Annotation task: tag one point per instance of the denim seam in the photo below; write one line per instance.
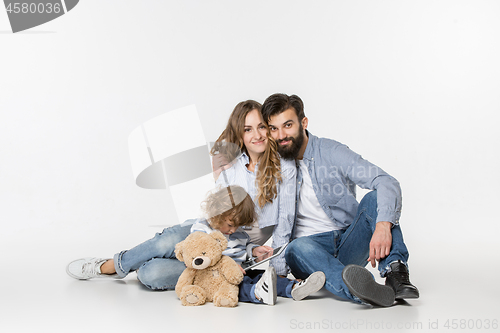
(310, 269)
(119, 264)
(363, 211)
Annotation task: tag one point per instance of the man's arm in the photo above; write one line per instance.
(369, 176)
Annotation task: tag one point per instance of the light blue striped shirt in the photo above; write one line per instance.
(239, 246)
(335, 171)
(279, 213)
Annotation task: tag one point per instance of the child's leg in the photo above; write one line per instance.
(247, 293)
(247, 288)
(284, 287)
(162, 245)
(260, 288)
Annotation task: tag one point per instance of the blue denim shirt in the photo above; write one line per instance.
(335, 171)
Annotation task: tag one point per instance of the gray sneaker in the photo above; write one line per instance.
(306, 287)
(361, 284)
(87, 268)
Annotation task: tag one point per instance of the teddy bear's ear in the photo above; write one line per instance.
(178, 251)
(221, 240)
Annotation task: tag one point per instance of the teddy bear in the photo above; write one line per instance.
(209, 276)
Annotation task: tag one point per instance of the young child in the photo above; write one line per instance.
(226, 209)
(238, 210)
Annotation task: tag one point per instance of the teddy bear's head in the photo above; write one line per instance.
(201, 250)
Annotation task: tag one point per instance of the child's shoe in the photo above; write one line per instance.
(87, 268)
(265, 289)
(306, 287)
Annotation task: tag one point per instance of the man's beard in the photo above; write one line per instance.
(291, 151)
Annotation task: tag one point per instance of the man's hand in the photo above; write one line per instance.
(380, 245)
(265, 250)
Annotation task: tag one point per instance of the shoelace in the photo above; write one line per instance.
(301, 283)
(90, 269)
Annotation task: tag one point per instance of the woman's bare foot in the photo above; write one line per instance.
(108, 267)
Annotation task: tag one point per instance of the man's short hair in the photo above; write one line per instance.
(278, 103)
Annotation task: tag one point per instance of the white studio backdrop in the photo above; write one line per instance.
(411, 85)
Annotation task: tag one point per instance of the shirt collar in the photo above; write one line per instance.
(244, 158)
(311, 142)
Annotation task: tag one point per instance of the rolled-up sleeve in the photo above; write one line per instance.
(369, 176)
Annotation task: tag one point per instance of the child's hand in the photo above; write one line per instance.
(264, 251)
(242, 270)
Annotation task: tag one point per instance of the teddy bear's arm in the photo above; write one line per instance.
(186, 279)
(231, 270)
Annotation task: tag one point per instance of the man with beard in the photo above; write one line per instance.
(334, 233)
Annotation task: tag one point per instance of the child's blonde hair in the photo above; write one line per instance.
(231, 202)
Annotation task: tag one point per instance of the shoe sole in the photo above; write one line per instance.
(272, 287)
(362, 285)
(315, 282)
(271, 293)
(407, 295)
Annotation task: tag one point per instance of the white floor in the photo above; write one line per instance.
(38, 296)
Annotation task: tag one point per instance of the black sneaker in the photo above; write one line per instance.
(398, 279)
(362, 285)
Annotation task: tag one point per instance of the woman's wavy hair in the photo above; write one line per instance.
(269, 170)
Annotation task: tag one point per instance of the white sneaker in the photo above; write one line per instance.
(306, 287)
(87, 268)
(265, 289)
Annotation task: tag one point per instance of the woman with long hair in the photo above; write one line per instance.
(247, 147)
(251, 162)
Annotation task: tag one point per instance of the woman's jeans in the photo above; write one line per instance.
(155, 262)
(158, 268)
(331, 251)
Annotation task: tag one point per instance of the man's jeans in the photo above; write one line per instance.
(155, 262)
(330, 252)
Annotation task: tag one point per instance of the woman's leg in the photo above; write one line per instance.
(160, 273)
(162, 245)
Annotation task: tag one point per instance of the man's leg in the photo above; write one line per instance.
(306, 255)
(354, 247)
